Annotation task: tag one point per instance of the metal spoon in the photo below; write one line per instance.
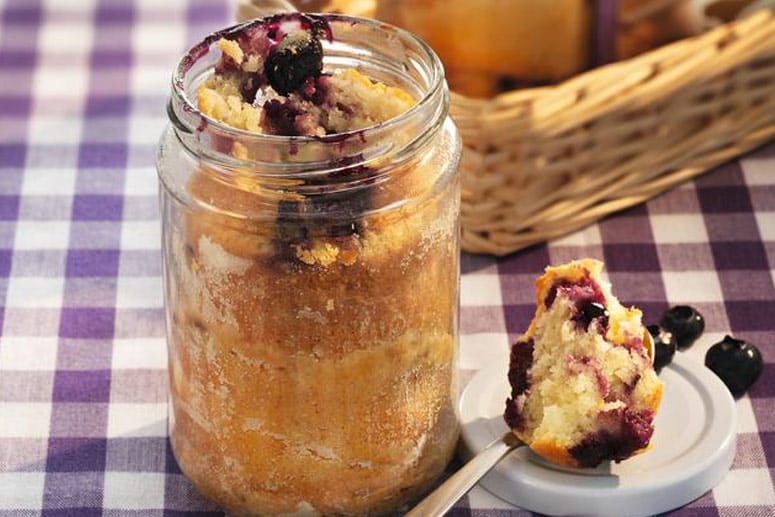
(446, 495)
(442, 499)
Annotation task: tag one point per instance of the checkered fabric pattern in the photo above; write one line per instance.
(83, 86)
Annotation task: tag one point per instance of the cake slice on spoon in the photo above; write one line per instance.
(583, 386)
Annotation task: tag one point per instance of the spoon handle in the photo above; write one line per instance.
(442, 499)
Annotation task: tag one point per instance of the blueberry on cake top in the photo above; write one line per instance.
(270, 79)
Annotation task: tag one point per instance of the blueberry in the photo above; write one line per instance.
(594, 310)
(299, 220)
(591, 311)
(634, 432)
(736, 362)
(296, 57)
(685, 323)
(279, 118)
(248, 87)
(664, 346)
(520, 361)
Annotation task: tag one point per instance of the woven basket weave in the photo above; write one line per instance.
(541, 162)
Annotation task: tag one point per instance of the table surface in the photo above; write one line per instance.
(83, 386)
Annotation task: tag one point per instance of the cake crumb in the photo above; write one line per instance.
(323, 253)
(232, 49)
(243, 94)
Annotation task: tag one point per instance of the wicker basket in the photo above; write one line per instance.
(541, 162)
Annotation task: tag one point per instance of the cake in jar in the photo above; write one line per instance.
(312, 326)
(583, 387)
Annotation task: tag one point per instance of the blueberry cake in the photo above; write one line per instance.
(312, 366)
(583, 388)
(270, 80)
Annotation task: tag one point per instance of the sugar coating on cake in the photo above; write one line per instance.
(270, 80)
(583, 387)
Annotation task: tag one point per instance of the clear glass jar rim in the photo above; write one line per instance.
(186, 116)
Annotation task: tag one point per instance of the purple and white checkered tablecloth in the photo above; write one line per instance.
(83, 383)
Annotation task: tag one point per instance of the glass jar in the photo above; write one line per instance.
(311, 293)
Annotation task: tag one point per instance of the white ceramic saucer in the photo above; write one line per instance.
(693, 448)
